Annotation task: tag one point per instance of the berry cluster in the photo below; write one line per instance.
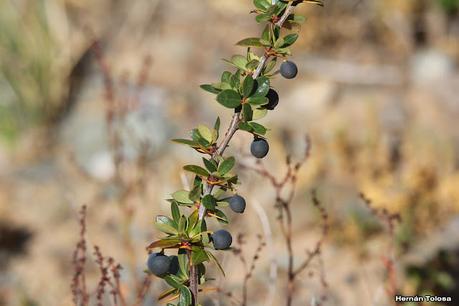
(248, 92)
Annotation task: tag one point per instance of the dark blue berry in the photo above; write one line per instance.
(273, 99)
(158, 264)
(237, 204)
(259, 148)
(222, 239)
(174, 266)
(288, 70)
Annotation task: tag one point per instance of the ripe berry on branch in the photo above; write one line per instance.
(158, 264)
(174, 265)
(237, 204)
(273, 99)
(288, 69)
(259, 147)
(222, 239)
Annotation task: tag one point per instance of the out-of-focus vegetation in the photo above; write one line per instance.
(32, 75)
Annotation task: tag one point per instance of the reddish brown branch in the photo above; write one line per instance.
(283, 204)
(390, 220)
(248, 269)
(78, 285)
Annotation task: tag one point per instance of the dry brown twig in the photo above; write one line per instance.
(116, 109)
(110, 277)
(248, 268)
(78, 285)
(283, 202)
(390, 220)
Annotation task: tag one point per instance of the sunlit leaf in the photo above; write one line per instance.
(250, 42)
(182, 196)
(226, 165)
(164, 243)
(198, 255)
(229, 98)
(196, 169)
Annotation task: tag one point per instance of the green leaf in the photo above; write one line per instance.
(232, 180)
(283, 51)
(196, 229)
(226, 165)
(247, 86)
(250, 42)
(270, 66)
(252, 65)
(198, 255)
(298, 19)
(221, 86)
(205, 132)
(289, 40)
(195, 193)
(258, 128)
(229, 98)
(173, 281)
(262, 4)
(226, 75)
(185, 296)
(182, 224)
(209, 202)
(210, 164)
(165, 243)
(210, 88)
(276, 33)
(221, 217)
(182, 196)
(199, 139)
(263, 17)
(217, 127)
(212, 257)
(202, 275)
(247, 112)
(259, 113)
(166, 225)
(183, 264)
(280, 6)
(266, 35)
(279, 43)
(196, 169)
(193, 220)
(175, 211)
(262, 87)
(168, 292)
(235, 80)
(186, 142)
(245, 126)
(257, 100)
(252, 56)
(265, 43)
(222, 203)
(237, 61)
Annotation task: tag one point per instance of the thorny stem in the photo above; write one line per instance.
(233, 127)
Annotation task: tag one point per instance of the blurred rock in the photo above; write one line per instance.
(430, 66)
(147, 124)
(142, 126)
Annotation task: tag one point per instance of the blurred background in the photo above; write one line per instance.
(92, 91)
